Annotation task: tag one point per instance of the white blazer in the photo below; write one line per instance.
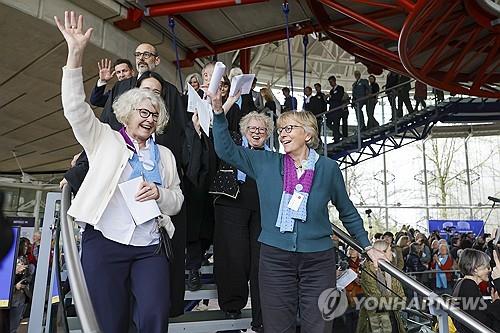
(108, 156)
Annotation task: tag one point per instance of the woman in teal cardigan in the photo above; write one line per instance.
(297, 261)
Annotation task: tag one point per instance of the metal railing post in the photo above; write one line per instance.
(325, 143)
(81, 296)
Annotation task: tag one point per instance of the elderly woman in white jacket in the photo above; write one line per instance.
(120, 256)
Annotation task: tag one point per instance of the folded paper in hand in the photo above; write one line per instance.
(346, 278)
(141, 211)
(196, 104)
(241, 82)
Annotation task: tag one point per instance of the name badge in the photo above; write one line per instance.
(296, 200)
(148, 165)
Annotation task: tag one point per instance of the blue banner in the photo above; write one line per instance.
(450, 227)
(8, 271)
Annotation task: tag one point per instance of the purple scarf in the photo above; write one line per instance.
(292, 184)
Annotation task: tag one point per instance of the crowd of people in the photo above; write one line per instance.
(458, 265)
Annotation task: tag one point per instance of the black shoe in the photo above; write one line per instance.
(193, 281)
(233, 314)
(258, 329)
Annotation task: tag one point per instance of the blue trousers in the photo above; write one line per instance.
(121, 278)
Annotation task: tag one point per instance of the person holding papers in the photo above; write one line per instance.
(297, 260)
(124, 245)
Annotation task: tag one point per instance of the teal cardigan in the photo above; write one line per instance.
(266, 168)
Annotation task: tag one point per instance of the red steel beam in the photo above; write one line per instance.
(245, 60)
(243, 43)
(366, 44)
(431, 28)
(384, 13)
(377, 4)
(490, 60)
(178, 7)
(452, 72)
(437, 52)
(195, 32)
(407, 5)
(362, 19)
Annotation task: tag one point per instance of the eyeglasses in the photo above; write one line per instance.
(287, 129)
(255, 129)
(145, 55)
(145, 113)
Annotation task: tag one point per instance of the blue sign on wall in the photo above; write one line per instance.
(8, 271)
(447, 227)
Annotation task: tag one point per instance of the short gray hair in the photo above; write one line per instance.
(471, 259)
(268, 122)
(128, 101)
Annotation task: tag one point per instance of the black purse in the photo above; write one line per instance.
(165, 245)
(225, 183)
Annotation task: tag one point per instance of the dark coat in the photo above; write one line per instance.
(99, 96)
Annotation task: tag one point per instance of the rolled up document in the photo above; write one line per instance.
(218, 73)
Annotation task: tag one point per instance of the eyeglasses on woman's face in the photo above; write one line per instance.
(145, 113)
(288, 129)
(255, 129)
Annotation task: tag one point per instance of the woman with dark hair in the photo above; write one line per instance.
(151, 81)
(475, 266)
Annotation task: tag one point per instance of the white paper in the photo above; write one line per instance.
(346, 278)
(218, 73)
(141, 211)
(241, 82)
(201, 106)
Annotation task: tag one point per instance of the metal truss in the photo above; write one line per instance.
(410, 128)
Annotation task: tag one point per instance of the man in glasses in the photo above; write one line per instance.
(123, 70)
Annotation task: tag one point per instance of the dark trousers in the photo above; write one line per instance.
(333, 123)
(236, 252)
(404, 97)
(358, 107)
(200, 225)
(370, 111)
(420, 100)
(291, 282)
(391, 96)
(114, 272)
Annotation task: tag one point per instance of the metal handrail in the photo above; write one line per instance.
(81, 296)
(456, 313)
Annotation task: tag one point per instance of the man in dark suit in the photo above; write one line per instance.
(123, 70)
(290, 101)
(360, 90)
(404, 95)
(335, 100)
(147, 59)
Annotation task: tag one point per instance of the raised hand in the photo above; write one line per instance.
(231, 100)
(196, 123)
(216, 100)
(105, 73)
(76, 39)
(495, 273)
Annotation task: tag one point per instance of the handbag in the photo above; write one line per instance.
(225, 183)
